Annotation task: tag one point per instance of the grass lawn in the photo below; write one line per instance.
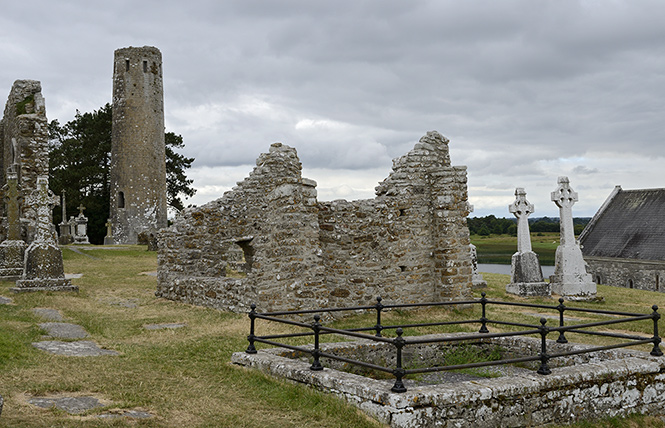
(183, 376)
(500, 248)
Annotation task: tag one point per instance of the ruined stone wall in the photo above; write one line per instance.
(138, 159)
(642, 274)
(24, 137)
(409, 244)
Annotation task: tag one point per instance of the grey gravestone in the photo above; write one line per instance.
(526, 273)
(570, 279)
(63, 330)
(72, 405)
(5, 300)
(73, 349)
(43, 259)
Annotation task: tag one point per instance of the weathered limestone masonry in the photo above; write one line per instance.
(409, 244)
(138, 169)
(24, 141)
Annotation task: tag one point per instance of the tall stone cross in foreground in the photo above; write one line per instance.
(526, 273)
(570, 279)
(44, 269)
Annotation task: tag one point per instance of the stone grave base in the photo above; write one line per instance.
(587, 386)
(40, 284)
(529, 289)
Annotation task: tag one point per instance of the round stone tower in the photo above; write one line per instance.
(138, 159)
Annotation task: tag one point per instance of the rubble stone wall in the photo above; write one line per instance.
(24, 141)
(269, 241)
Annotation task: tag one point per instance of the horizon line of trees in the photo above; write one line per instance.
(491, 225)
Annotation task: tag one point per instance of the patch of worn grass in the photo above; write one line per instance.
(182, 376)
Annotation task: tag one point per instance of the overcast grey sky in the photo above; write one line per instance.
(525, 90)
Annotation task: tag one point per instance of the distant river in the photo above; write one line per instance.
(505, 269)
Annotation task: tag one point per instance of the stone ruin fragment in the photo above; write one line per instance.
(269, 240)
(526, 274)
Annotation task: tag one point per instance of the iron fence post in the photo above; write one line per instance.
(252, 316)
(561, 308)
(378, 327)
(544, 358)
(399, 371)
(483, 319)
(656, 352)
(316, 365)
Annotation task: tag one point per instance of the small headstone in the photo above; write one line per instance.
(570, 280)
(65, 237)
(80, 228)
(525, 272)
(63, 330)
(477, 281)
(108, 239)
(83, 348)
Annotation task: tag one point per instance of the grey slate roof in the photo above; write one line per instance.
(629, 225)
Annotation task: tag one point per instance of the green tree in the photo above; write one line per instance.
(80, 158)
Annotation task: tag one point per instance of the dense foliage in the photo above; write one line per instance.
(80, 158)
(490, 225)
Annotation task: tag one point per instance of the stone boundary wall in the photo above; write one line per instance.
(645, 275)
(611, 383)
(269, 241)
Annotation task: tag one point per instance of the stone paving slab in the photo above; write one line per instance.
(64, 330)
(163, 326)
(83, 348)
(5, 300)
(48, 314)
(72, 405)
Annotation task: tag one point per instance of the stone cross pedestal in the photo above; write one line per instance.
(570, 280)
(44, 269)
(526, 275)
(12, 249)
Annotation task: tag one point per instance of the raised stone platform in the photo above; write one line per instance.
(588, 386)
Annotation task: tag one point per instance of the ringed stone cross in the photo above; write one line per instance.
(564, 197)
(522, 209)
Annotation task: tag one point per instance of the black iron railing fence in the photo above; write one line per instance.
(316, 329)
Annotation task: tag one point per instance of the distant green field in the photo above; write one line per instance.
(500, 248)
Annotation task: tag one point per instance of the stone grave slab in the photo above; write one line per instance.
(48, 314)
(83, 348)
(5, 300)
(72, 405)
(164, 326)
(64, 330)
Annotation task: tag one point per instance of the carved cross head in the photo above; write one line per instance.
(564, 196)
(521, 207)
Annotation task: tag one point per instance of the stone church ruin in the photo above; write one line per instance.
(269, 241)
